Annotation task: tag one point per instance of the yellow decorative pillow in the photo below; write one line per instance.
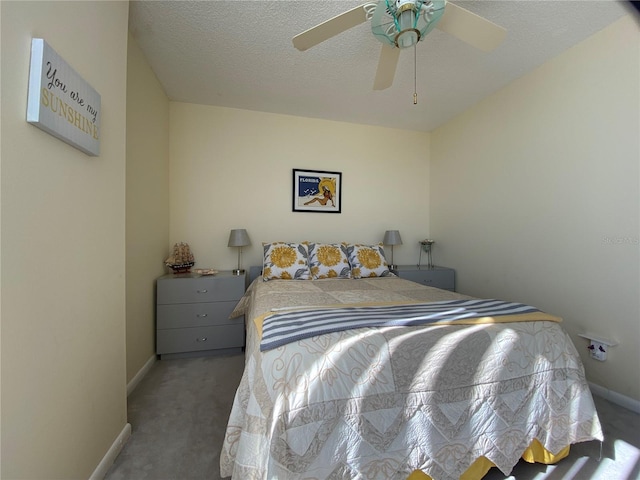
(367, 261)
(285, 261)
(329, 260)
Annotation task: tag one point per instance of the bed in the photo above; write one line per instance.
(423, 399)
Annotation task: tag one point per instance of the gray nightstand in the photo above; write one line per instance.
(192, 316)
(439, 277)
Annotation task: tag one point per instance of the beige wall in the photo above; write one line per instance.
(63, 251)
(147, 204)
(233, 169)
(540, 202)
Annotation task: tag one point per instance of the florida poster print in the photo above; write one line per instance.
(317, 191)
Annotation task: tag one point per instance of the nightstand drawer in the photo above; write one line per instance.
(182, 315)
(178, 340)
(200, 289)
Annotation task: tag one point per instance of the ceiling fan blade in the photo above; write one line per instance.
(471, 28)
(386, 67)
(330, 28)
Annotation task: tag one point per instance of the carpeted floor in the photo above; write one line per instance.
(179, 411)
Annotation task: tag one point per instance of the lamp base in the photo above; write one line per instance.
(237, 271)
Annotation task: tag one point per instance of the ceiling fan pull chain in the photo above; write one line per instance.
(415, 77)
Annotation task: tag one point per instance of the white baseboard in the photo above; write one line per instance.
(615, 397)
(140, 375)
(103, 467)
(105, 464)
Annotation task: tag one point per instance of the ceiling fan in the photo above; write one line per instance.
(400, 24)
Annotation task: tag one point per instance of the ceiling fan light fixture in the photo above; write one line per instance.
(403, 23)
(407, 21)
(407, 38)
(406, 15)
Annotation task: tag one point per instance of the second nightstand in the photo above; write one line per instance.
(439, 277)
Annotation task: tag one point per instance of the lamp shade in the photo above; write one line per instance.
(392, 237)
(239, 238)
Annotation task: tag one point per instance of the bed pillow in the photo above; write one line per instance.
(329, 260)
(367, 261)
(285, 261)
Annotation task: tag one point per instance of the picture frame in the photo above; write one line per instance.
(317, 191)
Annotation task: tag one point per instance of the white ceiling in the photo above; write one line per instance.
(239, 54)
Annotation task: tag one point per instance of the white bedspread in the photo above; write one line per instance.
(378, 403)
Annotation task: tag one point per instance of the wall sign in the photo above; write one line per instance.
(61, 102)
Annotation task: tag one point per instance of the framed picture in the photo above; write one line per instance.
(317, 191)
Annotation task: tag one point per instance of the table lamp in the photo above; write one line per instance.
(392, 237)
(239, 238)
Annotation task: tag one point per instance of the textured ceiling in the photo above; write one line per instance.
(239, 54)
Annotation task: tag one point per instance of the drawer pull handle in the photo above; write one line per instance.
(202, 291)
(203, 339)
(202, 315)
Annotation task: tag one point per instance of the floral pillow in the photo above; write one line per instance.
(329, 260)
(367, 261)
(285, 261)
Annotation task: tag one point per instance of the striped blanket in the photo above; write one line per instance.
(283, 327)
